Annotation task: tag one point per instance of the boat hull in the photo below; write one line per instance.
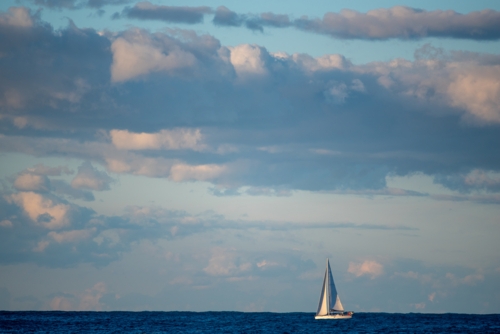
(333, 316)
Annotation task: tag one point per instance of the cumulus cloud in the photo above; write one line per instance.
(58, 83)
(368, 268)
(330, 125)
(136, 53)
(91, 178)
(477, 89)
(248, 59)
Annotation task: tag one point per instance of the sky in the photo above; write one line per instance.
(210, 156)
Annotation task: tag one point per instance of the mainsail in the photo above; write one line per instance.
(329, 294)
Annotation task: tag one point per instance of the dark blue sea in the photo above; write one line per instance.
(239, 322)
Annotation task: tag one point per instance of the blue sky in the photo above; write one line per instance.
(171, 155)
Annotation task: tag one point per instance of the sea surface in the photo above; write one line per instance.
(239, 322)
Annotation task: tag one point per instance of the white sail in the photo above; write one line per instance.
(329, 294)
(334, 297)
(324, 299)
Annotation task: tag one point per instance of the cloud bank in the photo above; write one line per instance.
(397, 22)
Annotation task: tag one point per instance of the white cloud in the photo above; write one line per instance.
(462, 84)
(41, 210)
(175, 139)
(137, 53)
(368, 268)
(477, 89)
(248, 60)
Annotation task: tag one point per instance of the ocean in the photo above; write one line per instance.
(240, 322)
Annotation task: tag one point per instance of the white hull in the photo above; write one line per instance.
(333, 316)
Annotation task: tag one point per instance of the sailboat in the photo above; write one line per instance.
(330, 306)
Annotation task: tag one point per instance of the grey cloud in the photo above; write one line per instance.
(50, 231)
(329, 125)
(41, 169)
(63, 188)
(226, 17)
(36, 179)
(405, 23)
(90, 178)
(379, 24)
(75, 64)
(174, 14)
(471, 181)
(77, 4)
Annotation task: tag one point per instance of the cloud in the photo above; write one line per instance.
(222, 263)
(368, 268)
(404, 23)
(472, 279)
(248, 60)
(182, 172)
(77, 4)
(379, 24)
(61, 187)
(137, 53)
(330, 125)
(175, 139)
(474, 180)
(36, 179)
(41, 210)
(226, 17)
(477, 89)
(175, 14)
(71, 236)
(90, 178)
(41, 169)
(32, 182)
(19, 17)
(62, 83)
